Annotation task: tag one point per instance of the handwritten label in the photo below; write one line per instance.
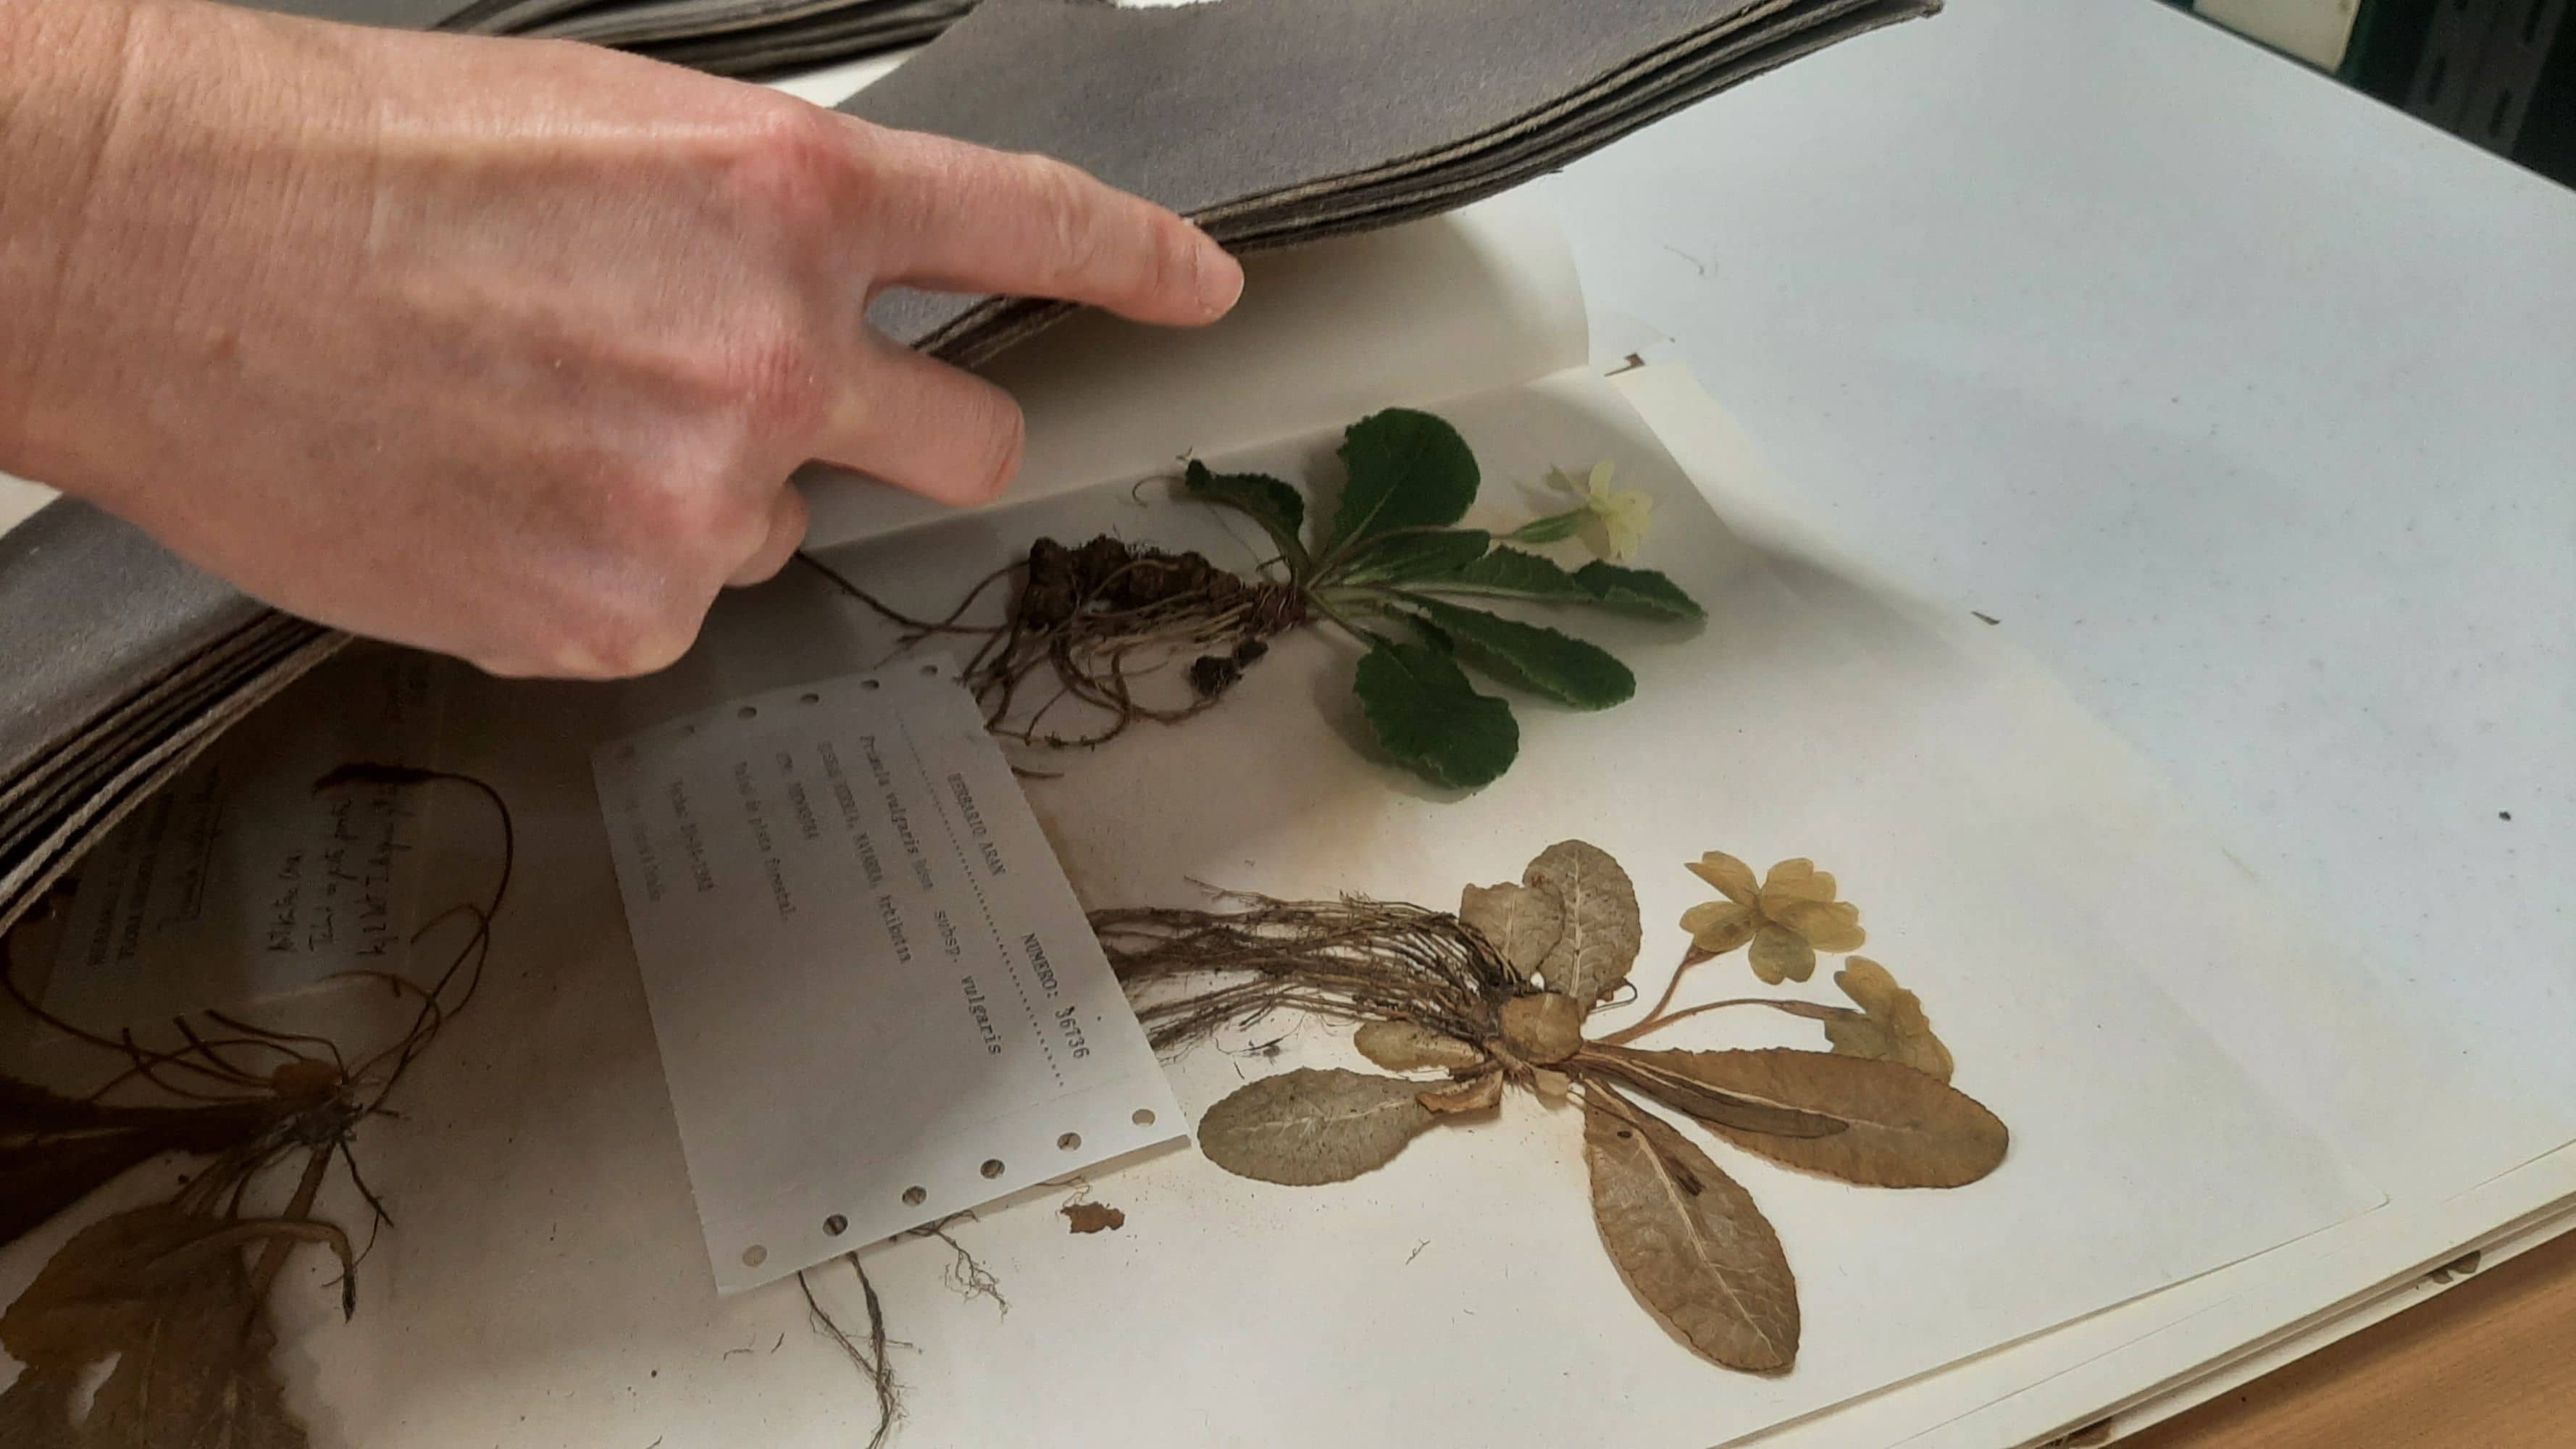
(240, 882)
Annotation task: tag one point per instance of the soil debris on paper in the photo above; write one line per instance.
(1092, 1217)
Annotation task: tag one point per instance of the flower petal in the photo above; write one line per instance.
(1718, 927)
(1598, 485)
(1780, 954)
(1625, 518)
(1895, 1029)
(1871, 987)
(1827, 925)
(1796, 879)
(1732, 877)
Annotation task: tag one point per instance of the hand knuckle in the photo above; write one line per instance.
(777, 375)
(627, 635)
(785, 164)
(672, 502)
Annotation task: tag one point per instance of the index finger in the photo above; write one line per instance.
(953, 217)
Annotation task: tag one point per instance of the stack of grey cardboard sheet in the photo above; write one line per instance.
(728, 37)
(1271, 122)
(1268, 121)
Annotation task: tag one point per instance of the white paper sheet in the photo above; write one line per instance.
(876, 1000)
(546, 1284)
(2364, 1047)
(1744, 739)
(2122, 1108)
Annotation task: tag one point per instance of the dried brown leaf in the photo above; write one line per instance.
(1673, 1078)
(1903, 1129)
(165, 1294)
(1311, 1126)
(1689, 1240)
(56, 1150)
(1523, 922)
(1602, 931)
(1893, 1027)
(1092, 1217)
(1543, 1027)
(1404, 1046)
(1479, 1094)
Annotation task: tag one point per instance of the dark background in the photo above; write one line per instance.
(2499, 73)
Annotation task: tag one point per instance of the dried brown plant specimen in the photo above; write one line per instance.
(176, 1292)
(1498, 994)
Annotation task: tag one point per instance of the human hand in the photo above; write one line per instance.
(498, 348)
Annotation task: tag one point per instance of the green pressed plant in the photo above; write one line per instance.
(1391, 569)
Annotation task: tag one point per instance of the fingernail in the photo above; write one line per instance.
(1220, 280)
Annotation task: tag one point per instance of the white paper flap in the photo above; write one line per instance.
(876, 998)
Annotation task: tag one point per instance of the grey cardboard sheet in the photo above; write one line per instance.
(1398, 110)
(771, 49)
(390, 14)
(791, 31)
(96, 615)
(1271, 122)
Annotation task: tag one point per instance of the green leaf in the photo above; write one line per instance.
(1406, 469)
(1511, 571)
(1430, 554)
(1431, 719)
(1531, 657)
(1278, 508)
(1637, 591)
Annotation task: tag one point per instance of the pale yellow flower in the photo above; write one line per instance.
(1619, 515)
(1789, 917)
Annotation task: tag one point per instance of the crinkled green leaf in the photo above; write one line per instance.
(1533, 657)
(1636, 591)
(1408, 556)
(1512, 572)
(1406, 469)
(1431, 719)
(1278, 508)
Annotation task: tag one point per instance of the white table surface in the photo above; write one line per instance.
(2246, 402)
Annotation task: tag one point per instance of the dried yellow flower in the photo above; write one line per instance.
(1893, 1027)
(1789, 917)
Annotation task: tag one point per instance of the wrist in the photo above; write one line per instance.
(137, 146)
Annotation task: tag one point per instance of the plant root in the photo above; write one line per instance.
(1099, 621)
(1355, 959)
(872, 1361)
